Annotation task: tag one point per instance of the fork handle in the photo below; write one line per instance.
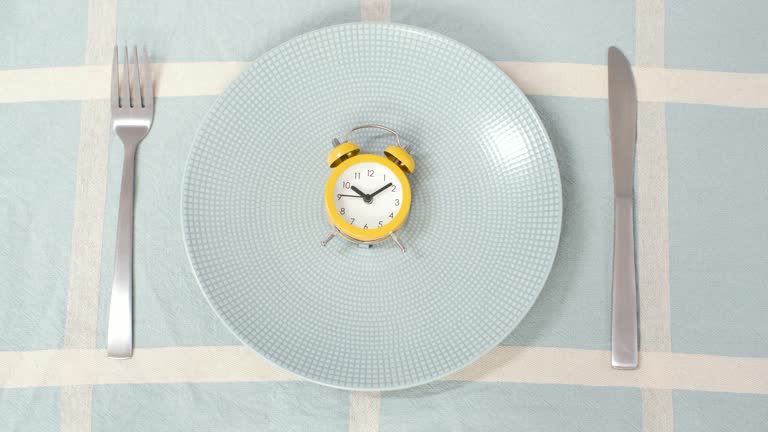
(120, 329)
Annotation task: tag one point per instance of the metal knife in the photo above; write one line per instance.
(622, 114)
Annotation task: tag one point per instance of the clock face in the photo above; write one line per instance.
(368, 195)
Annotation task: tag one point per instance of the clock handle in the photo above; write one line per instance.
(375, 126)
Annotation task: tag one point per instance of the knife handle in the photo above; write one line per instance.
(624, 340)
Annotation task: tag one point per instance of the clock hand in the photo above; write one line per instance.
(382, 189)
(359, 192)
(351, 196)
(366, 198)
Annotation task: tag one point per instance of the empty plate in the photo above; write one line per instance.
(481, 237)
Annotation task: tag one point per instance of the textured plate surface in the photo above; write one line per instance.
(482, 234)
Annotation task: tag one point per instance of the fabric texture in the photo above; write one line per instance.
(701, 205)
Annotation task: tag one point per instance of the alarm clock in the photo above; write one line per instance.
(367, 196)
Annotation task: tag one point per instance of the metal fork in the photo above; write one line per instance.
(132, 110)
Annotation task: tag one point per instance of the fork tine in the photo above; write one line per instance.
(125, 100)
(115, 98)
(149, 92)
(135, 82)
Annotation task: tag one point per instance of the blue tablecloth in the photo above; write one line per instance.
(702, 76)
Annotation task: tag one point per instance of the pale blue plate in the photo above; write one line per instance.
(482, 234)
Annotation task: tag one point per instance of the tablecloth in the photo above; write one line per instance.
(702, 199)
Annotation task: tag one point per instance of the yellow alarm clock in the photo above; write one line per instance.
(368, 196)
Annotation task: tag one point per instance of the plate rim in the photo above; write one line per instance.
(395, 27)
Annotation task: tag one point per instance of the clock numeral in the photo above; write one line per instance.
(365, 226)
(353, 221)
(385, 177)
(381, 223)
(397, 202)
(347, 185)
(392, 215)
(394, 188)
(343, 210)
(357, 175)
(370, 173)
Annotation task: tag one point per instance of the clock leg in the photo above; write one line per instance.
(330, 237)
(397, 242)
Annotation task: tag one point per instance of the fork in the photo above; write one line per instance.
(132, 112)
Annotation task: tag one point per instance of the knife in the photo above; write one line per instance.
(622, 115)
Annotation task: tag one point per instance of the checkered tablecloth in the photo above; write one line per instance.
(702, 176)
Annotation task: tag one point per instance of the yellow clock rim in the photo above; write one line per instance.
(353, 232)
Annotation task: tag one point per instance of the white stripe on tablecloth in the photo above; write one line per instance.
(375, 10)
(660, 370)
(744, 90)
(653, 84)
(653, 254)
(364, 410)
(83, 294)
(658, 410)
(148, 365)
(652, 205)
(85, 255)
(649, 32)
(75, 409)
(652, 202)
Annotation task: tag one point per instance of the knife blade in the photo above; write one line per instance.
(622, 115)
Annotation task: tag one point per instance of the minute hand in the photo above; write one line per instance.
(382, 189)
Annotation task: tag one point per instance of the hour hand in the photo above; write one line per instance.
(365, 197)
(359, 192)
